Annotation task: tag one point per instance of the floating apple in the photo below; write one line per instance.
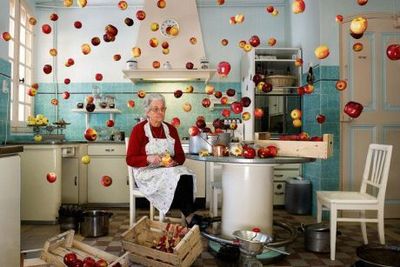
(224, 42)
(341, 85)
(47, 69)
(174, 31)
(239, 18)
(106, 181)
(242, 43)
(78, 24)
(153, 42)
(339, 18)
(297, 123)
(193, 131)
(117, 57)
(110, 123)
(165, 44)
(51, 177)
(187, 107)
(32, 21)
(230, 92)
(320, 118)
(275, 12)
(165, 51)
(220, 2)
(206, 102)
(322, 52)
(85, 48)
(358, 25)
(69, 258)
(90, 134)
(218, 94)
(111, 30)
(357, 47)
(46, 28)
(224, 100)
(141, 93)
(156, 64)
(193, 40)
(69, 62)
(176, 122)
(356, 36)
(108, 38)
(226, 113)
(258, 113)
(189, 65)
(246, 101)
(89, 99)
(99, 77)
(95, 41)
(136, 52)
(246, 116)
(217, 123)
(237, 107)
(53, 17)
(32, 91)
(128, 21)
(82, 3)
(298, 62)
(353, 109)
(37, 138)
(123, 5)
(140, 15)
(266, 87)
(254, 41)
(209, 89)
(308, 89)
(161, 3)
(90, 107)
(178, 93)
(298, 6)
(269, 9)
(85, 159)
(295, 114)
(200, 123)
(53, 52)
(247, 47)
(271, 41)
(130, 103)
(66, 95)
(232, 20)
(362, 2)
(393, 51)
(189, 89)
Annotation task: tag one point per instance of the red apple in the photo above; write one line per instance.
(308, 89)
(258, 113)
(339, 18)
(249, 153)
(106, 181)
(69, 62)
(201, 117)
(237, 107)
(254, 41)
(303, 136)
(6, 36)
(117, 57)
(272, 150)
(51, 177)
(128, 21)
(99, 77)
(108, 38)
(141, 94)
(54, 17)
(300, 90)
(316, 138)
(178, 93)
(220, 2)
(257, 78)
(90, 107)
(67, 81)
(353, 109)
(89, 262)
(54, 101)
(69, 258)
(298, 6)
(201, 124)
(78, 24)
(140, 15)
(131, 103)
(393, 51)
(90, 134)
(35, 85)
(224, 42)
(356, 36)
(161, 3)
(269, 9)
(47, 69)
(226, 113)
(341, 85)
(232, 20)
(224, 100)
(66, 95)
(46, 28)
(176, 122)
(206, 102)
(246, 101)
(362, 2)
(153, 42)
(218, 94)
(123, 5)
(358, 25)
(111, 30)
(271, 41)
(156, 64)
(189, 65)
(165, 44)
(295, 114)
(193, 131)
(321, 118)
(77, 263)
(266, 87)
(357, 47)
(95, 41)
(32, 91)
(230, 92)
(217, 123)
(110, 123)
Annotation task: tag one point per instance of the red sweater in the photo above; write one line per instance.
(136, 155)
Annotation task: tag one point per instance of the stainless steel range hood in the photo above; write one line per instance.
(168, 75)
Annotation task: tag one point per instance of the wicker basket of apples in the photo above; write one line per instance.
(153, 243)
(62, 250)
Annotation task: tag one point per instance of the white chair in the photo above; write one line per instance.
(370, 197)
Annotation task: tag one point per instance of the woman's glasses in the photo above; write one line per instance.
(157, 109)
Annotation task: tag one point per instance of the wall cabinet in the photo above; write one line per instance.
(107, 159)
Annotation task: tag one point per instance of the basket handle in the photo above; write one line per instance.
(64, 238)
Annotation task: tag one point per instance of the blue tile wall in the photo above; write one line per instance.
(122, 93)
(5, 68)
(324, 174)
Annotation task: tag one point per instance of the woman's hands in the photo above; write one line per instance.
(172, 163)
(154, 160)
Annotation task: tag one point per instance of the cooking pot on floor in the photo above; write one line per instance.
(317, 237)
(95, 223)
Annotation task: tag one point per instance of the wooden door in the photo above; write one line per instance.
(374, 81)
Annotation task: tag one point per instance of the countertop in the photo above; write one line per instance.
(9, 150)
(62, 142)
(240, 160)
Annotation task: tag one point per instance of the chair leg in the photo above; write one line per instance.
(319, 211)
(132, 208)
(364, 227)
(333, 232)
(151, 212)
(381, 227)
(161, 216)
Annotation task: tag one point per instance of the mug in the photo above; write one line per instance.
(218, 150)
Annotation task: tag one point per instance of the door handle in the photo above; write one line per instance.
(76, 180)
(127, 180)
(109, 149)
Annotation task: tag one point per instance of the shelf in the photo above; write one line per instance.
(168, 75)
(274, 60)
(110, 111)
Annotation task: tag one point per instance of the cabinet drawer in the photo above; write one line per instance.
(284, 174)
(106, 150)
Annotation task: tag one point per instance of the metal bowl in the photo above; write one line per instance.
(251, 243)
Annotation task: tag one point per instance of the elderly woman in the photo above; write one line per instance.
(156, 154)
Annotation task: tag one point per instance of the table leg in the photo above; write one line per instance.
(247, 192)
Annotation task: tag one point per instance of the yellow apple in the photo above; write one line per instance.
(187, 107)
(297, 123)
(295, 114)
(136, 52)
(154, 26)
(37, 138)
(358, 25)
(85, 159)
(322, 52)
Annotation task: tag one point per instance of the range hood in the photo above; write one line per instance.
(186, 45)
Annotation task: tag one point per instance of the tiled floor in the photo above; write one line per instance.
(34, 236)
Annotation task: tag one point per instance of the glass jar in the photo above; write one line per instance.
(132, 64)
(204, 63)
(110, 101)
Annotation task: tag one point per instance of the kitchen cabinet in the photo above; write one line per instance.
(278, 67)
(10, 184)
(107, 159)
(281, 174)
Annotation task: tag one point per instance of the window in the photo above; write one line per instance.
(20, 57)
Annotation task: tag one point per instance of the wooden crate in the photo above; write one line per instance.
(56, 247)
(308, 149)
(138, 240)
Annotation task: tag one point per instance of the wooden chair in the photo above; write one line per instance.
(370, 197)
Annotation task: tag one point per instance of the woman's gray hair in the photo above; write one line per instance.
(150, 98)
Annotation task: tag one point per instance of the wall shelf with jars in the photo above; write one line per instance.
(110, 111)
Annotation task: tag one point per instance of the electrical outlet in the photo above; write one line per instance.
(5, 87)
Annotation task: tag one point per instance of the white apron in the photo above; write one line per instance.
(158, 184)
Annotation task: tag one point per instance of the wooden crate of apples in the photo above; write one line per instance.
(62, 250)
(153, 243)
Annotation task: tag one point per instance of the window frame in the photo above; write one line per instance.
(18, 90)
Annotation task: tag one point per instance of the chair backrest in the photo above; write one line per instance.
(376, 170)
(130, 168)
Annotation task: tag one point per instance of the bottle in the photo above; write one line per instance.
(132, 64)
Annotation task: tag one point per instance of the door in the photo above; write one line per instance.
(373, 80)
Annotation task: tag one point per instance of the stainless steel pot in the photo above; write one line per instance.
(95, 223)
(205, 141)
(317, 238)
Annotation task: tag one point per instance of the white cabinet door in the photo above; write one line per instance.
(70, 180)
(115, 167)
(199, 168)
